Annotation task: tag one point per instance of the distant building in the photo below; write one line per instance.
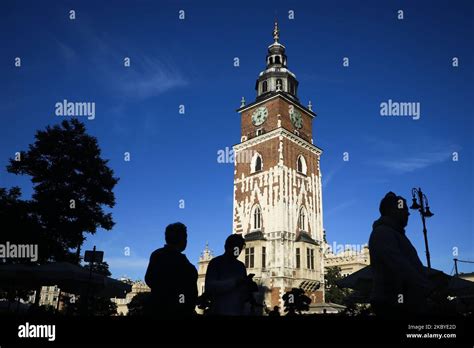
(350, 260)
(467, 276)
(49, 296)
(52, 295)
(204, 259)
(122, 303)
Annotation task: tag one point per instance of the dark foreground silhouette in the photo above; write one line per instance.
(400, 285)
(171, 277)
(228, 286)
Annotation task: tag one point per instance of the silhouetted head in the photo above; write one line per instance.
(176, 236)
(395, 207)
(234, 245)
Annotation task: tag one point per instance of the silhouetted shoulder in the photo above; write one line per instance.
(216, 260)
(157, 253)
(242, 265)
(190, 265)
(223, 259)
(381, 233)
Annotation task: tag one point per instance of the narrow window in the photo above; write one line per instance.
(249, 257)
(302, 220)
(300, 165)
(279, 85)
(298, 256)
(257, 218)
(258, 164)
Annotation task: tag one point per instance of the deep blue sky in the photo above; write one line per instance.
(190, 62)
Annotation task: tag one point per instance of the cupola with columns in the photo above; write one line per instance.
(276, 77)
(276, 104)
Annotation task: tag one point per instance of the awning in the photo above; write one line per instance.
(362, 281)
(68, 277)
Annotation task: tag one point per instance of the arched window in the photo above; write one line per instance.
(302, 219)
(257, 218)
(264, 86)
(301, 165)
(277, 59)
(256, 164)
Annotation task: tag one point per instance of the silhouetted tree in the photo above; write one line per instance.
(138, 304)
(100, 268)
(296, 301)
(334, 293)
(98, 306)
(71, 182)
(19, 226)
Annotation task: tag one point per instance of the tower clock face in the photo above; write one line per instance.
(259, 115)
(296, 118)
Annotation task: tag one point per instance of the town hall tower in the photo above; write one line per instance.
(277, 186)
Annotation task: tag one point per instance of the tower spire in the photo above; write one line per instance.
(276, 78)
(276, 32)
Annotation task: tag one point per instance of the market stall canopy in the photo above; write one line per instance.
(362, 282)
(68, 277)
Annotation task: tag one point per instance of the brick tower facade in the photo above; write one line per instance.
(277, 186)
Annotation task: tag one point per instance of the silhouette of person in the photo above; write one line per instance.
(400, 285)
(275, 312)
(227, 282)
(171, 277)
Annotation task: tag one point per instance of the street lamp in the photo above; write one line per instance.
(420, 203)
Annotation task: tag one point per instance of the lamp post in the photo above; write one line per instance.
(420, 203)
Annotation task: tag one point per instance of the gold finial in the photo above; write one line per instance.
(276, 32)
